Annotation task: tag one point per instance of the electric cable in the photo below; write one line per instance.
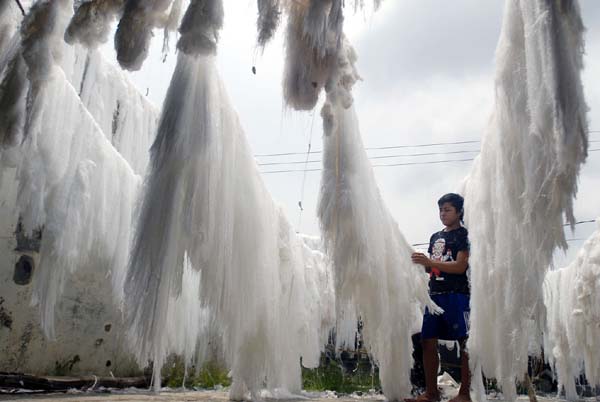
(372, 157)
(388, 165)
(434, 144)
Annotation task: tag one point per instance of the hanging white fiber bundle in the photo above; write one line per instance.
(74, 185)
(375, 278)
(524, 181)
(66, 174)
(269, 16)
(132, 39)
(205, 205)
(28, 60)
(13, 95)
(91, 22)
(313, 38)
(572, 299)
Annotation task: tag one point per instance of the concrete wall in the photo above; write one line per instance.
(89, 335)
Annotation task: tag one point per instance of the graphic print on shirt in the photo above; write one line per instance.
(445, 246)
(437, 254)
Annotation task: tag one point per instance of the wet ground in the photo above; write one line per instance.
(193, 396)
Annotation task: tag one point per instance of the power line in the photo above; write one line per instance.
(371, 157)
(387, 165)
(393, 164)
(376, 148)
(424, 145)
(434, 144)
(581, 222)
(425, 163)
(381, 165)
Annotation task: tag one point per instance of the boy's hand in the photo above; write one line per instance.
(421, 259)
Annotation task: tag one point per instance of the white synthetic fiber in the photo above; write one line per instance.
(132, 39)
(375, 278)
(306, 68)
(41, 39)
(200, 27)
(313, 38)
(173, 18)
(9, 18)
(126, 117)
(187, 324)
(77, 187)
(320, 297)
(269, 16)
(13, 84)
(524, 181)
(204, 198)
(171, 24)
(92, 20)
(26, 63)
(13, 95)
(572, 299)
(72, 182)
(323, 26)
(205, 205)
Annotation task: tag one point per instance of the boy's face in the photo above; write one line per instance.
(448, 214)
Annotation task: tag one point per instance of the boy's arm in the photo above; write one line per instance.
(421, 259)
(450, 267)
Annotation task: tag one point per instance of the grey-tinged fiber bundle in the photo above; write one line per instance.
(206, 208)
(132, 39)
(312, 42)
(206, 211)
(73, 183)
(374, 276)
(42, 37)
(305, 72)
(26, 63)
(200, 27)
(523, 183)
(14, 85)
(313, 39)
(269, 16)
(13, 95)
(9, 16)
(90, 24)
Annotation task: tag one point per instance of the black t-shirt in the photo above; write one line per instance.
(444, 246)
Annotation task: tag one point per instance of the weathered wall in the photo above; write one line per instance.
(89, 339)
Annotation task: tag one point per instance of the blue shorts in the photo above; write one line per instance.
(453, 323)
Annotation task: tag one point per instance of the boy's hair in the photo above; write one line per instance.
(456, 200)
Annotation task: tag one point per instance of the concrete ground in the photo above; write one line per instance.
(194, 396)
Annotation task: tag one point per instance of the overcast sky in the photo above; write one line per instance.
(427, 69)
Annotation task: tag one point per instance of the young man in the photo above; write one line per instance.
(447, 266)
